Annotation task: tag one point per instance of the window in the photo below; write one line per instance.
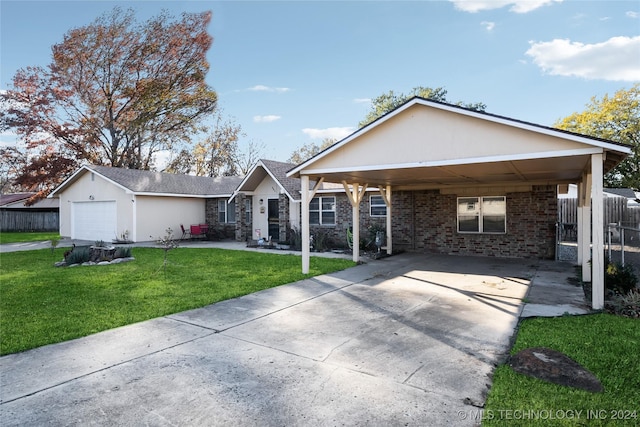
(482, 214)
(247, 209)
(322, 211)
(226, 211)
(377, 207)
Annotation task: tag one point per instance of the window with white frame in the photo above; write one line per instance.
(248, 210)
(377, 207)
(226, 212)
(482, 214)
(322, 211)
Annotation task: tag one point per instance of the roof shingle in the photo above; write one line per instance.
(141, 181)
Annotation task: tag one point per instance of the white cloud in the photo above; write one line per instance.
(263, 88)
(632, 14)
(266, 119)
(333, 133)
(362, 100)
(517, 6)
(488, 25)
(614, 59)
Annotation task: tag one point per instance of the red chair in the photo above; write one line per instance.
(195, 231)
(185, 233)
(204, 229)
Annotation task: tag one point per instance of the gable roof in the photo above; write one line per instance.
(277, 171)
(429, 144)
(141, 182)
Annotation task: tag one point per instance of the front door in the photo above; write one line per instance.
(273, 215)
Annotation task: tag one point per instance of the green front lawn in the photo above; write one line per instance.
(42, 304)
(605, 344)
(19, 237)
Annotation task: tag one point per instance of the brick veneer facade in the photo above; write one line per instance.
(426, 221)
(218, 230)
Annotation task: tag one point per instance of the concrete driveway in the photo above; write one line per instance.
(406, 340)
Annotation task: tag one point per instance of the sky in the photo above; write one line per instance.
(294, 72)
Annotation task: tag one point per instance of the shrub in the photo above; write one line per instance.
(625, 305)
(122, 252)
(620, 279)
(78, 255)
(295, 239)
(321, 241)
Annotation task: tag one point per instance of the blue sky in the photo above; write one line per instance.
(294, 72)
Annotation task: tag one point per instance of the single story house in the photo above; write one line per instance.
(436, 177)
(456, 180)
(105, 203)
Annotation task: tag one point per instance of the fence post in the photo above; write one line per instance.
(621, 243)
(609, 240)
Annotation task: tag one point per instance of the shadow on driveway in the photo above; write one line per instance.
(407, 340)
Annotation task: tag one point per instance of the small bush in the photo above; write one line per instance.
(321, 241)
(122, 252)
(295, 239)
(78, 255)
(620, 279)
(625, 305)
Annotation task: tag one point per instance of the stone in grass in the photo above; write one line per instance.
(553, 366)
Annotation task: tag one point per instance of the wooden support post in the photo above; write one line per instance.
(597, 232)
(355, 195)
(304, 210)
(307, 196)
(386, 196)
(586, 230)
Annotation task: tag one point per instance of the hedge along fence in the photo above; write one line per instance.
(18, 220)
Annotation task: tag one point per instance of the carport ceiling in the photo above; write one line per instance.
(540, 171)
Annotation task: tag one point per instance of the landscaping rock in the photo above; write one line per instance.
(119, 260)
(90, 263)
(553, 366)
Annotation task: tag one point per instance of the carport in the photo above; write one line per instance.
(427, 145)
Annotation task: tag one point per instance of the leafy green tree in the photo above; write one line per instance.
(309, 150)
(615, 118)
(389, 101)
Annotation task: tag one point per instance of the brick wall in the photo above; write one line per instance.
(284, 223)
(219, 230)
(531, 219)
(426, 221)
(337, 234)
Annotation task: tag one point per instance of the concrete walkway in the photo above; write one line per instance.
(407, 340)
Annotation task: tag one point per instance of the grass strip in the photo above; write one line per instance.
(605, 344)
(20, 237)
(41, 304)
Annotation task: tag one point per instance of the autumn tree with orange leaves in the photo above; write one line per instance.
(116, 93)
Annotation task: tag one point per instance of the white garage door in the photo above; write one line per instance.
(94, 221)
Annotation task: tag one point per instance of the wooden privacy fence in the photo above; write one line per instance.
(615, 211)
(16, 220)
